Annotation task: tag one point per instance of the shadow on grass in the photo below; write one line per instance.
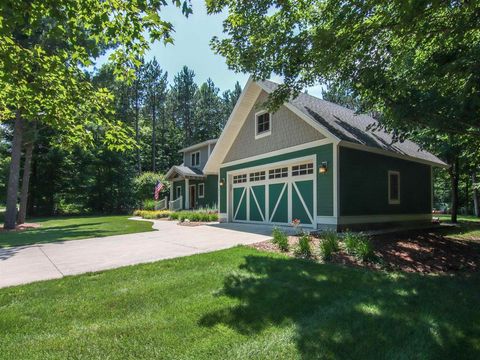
(340, 312)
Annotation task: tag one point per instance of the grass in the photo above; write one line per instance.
(242, 304)
(468, 227)
(71, 228)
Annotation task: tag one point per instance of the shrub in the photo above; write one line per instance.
(280, 239)
(359, 245)
(194, 216)
(144, 185)
(328, 244)
(304, 248)
(148, 204)
(148, 214)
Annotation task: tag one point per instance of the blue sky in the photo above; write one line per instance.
(192, 37)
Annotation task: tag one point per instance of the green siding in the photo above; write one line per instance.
(175, 185)
(324, 181)
(364, 184)
(211, 191)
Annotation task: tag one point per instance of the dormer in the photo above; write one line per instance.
(196, 156)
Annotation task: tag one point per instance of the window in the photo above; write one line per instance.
(393, 187)
(303, 169)
(262, 125)
(238, 179)
(278, 173)
(257, 176)
(179, 192)
(201, 190)
(195, 158)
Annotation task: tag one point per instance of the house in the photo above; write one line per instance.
(311, 160)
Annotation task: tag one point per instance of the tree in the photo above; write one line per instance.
(208, 112)
(45, 47)
(415, 62)
(156, 83)
(183, 102)
(229, 100)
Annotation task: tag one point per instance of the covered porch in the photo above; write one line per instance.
(186, 187)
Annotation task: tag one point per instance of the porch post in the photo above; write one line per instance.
(187, 194)
(171, 191)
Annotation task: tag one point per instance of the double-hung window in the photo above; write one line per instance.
(263, 126)
(195, 158)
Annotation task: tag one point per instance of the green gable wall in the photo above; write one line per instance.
(324, 181)
(363, 181)
(211, 192)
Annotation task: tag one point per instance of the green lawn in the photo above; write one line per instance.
(242, 304)
(71, 228)
(468, 227)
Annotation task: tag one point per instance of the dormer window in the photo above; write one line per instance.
(263, 126)
(195, 158)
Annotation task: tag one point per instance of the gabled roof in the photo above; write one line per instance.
(348, 126)
(343, 126)
(197, 146)
(184, 171)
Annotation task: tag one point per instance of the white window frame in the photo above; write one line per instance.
(265, 133)
(178, 192)
(201, 194)
(390, 200)
(193, 156)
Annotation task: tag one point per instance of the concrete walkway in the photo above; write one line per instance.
(25, 264)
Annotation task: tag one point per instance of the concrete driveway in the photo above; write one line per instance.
(25, 264)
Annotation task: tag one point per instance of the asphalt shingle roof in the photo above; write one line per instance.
(346, 125)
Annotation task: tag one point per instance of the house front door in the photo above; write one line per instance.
(193, 196)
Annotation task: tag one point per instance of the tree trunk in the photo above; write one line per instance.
(137, 129)
(14, 175)
(476, 196)
(154, 134)
(454, 175)
(22, 213)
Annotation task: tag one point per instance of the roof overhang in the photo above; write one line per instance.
(176, 172)
(437, 163)
(199, 145)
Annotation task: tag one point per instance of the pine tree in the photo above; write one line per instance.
(208, 112)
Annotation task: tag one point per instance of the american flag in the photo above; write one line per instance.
(158, 188)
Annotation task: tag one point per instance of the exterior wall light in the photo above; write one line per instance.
(222, 182)
(323, 168)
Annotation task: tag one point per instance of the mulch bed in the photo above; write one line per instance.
(413, 252)
(21, 227)
(192, 223)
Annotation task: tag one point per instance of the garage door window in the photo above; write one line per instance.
(257, 176)
(278, 173)
(303, 169)
(238, 179)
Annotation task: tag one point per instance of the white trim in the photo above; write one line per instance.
(240, 203)
(273, 165)
(203, 190)
(365, 219)
(192, 155)
(308, 145)
(222, 217)
(265, 133)
(366, 148)
(187, 194)
(336, 180)
(327, 220)
(285, 185)
(190, 187)
(390, 200)
(256, 200)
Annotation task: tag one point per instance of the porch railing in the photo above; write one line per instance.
(162, 204)
(176, 204)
